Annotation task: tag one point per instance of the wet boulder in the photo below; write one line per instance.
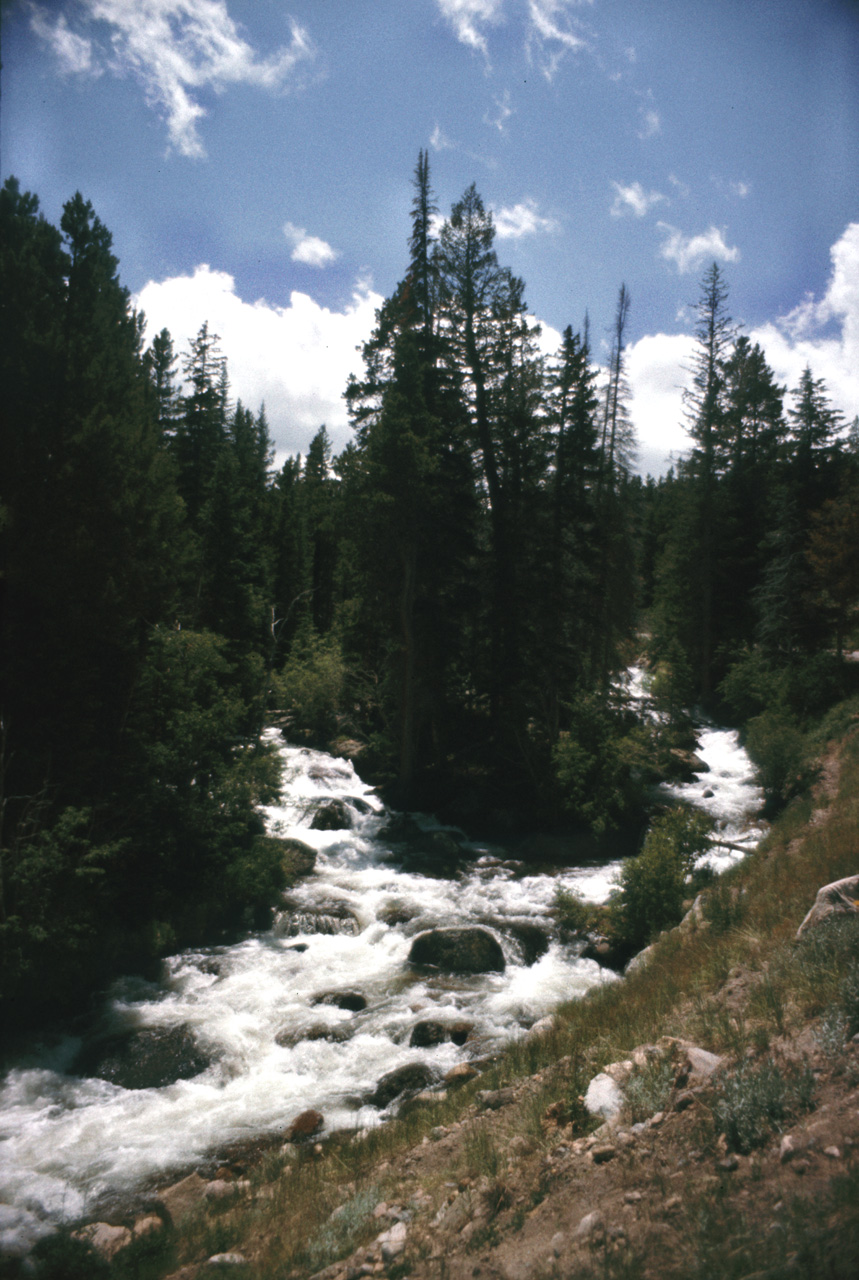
(425, 1035)
(685, 765)
(146, 1059)
(351, 1000)
(299, 858)
(465, 950)
(327, 917)
(533, 942)
(304, 1126)
(332, 815)
(403, 1082)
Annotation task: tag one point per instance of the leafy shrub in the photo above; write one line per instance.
(653, 884)
(776, 744)
(571, 912)
(648, 1089)
(311, 683)
(757, 1099)
(336, 1237)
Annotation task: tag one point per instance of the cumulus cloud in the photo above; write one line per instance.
(656, 370)
(175, 48)
(689, 252)
(824, 333)
(634, 199)
(296, 358)
(522, 220)
(310, 250)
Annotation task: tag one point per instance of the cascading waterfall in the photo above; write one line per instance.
(315, 1011)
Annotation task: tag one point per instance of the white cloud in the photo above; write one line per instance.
(74, 53)
(468, 17)
(634, 199)
(823, 335)
(651, 124)
(741, 189)
(656, 372)
(550, 33)
(176, 48)
(310, 250)
(503, 112)
(439, 142)
(522, 220)
(689, 252)
(296, 359)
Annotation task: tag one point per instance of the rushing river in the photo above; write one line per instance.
(265, 1012)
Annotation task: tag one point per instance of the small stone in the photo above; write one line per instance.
(787, 1149)
(380, 1210)
(684, 1099)
(834, 1153)
(672, 1204)
(656, 1119)
(181, 1198)
(633, 1197)
(219, 1190)
(729, 1164)
(801, 1167)
(494, 1099)
(601, 1155)
(557, 1243)
(591, 1224)
(393, 1241)
(603, 1097)
(228, 1260)
(460, 1074)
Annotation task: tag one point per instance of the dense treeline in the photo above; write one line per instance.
(454, 592)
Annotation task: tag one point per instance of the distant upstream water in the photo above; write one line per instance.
(264, 1012)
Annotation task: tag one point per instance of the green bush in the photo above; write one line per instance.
(571, 912)
(776, 744)
(654, 884)
(648, 1089)
(754, 1100)
(311, 684)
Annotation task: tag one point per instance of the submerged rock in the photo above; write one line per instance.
(533, 941)
(426, 1034)
(351, 1000)
(304, 1126)
(146, 1059)
(333, 815)
(458, 951)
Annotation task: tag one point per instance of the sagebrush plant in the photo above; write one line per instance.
(649, 1088)
(342, 1231)
(757, 1098)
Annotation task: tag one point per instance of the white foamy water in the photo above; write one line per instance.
(66, 1141)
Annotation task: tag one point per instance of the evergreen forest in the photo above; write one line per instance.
(450, 599)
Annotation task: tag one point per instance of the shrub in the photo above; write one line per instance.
(653, 884)
(776, 744)
(757, 1099)
(311, 683)
(648, 1089)
(571, 912)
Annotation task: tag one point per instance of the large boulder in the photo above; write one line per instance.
(839, 898)
(332, 815)
(146, 1059)
(603, 1097)
(403, 1081)
(466, 950)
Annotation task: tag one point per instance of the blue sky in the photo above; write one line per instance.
(253, 160)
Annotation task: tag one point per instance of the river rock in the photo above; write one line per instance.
(330, 918)
(460, 1074)
(146, 1059)
(351, 1000)
(332, 815)
(408, 1079)
(533, 941)
(299, 859)
(427, 1034)
(182, 1197)
(106, 1240)
(466, 950)
(841, 897)
(686, 764)
(304, 1126)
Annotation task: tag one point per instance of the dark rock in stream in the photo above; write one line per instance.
(427, 1034)
(332, 815)
(407, 1080)
(458, 951)
(328, 917)
(146, 1059)
(533, 941)
(351, 1000)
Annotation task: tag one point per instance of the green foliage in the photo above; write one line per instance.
(61, 1257)
(343, 1230)
(311, 685)
(571, 912)
(595, 766)
(649, 1088)
(654, 884)
(776, 744)
(755, 1099)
